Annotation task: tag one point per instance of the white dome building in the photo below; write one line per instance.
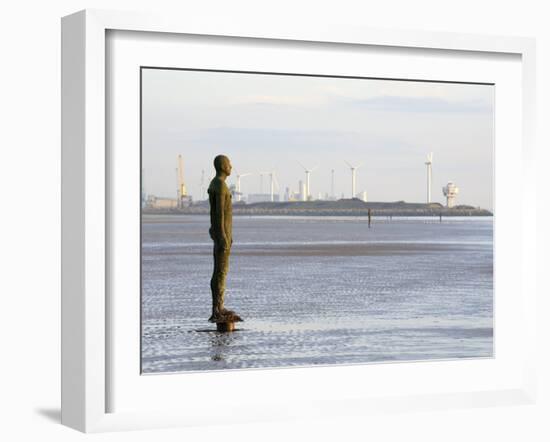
(450, 191)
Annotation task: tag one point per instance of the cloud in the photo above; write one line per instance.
(282, 138)
(279, 100)
(300, 141)
(390, 103)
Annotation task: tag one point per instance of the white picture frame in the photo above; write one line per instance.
(86, 315)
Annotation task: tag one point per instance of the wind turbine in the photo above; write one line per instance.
(273, 182)
(308, 173)
(428, 164)
(238, 188)
(353, 170)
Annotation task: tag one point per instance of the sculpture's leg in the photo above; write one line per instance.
(214, 286)
(217, 283)
(223, 268)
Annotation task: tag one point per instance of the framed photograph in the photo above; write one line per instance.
(292, 222)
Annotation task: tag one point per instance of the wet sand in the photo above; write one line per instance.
(329, 249)
(317, 291)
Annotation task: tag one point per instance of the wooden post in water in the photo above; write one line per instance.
(440, 215)
(369, 212)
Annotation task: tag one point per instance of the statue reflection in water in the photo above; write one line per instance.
(220, 344)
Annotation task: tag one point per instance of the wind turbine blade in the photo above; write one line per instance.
(314, 168)
(304, 167)
(359, 165)
(348, 164)
(276, 181)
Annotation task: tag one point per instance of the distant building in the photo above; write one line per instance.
(290, 195)
(157, 202)
(143, 193)
(261, 197)
(294, 196)
(143, 198)
(186, 201)
(450, 191)
(286, 196)
(362, 196)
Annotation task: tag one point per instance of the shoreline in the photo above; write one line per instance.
(450, 213)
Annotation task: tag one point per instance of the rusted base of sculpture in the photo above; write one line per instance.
(225, 327)
(225, 320)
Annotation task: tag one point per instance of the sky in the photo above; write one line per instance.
(267, 123)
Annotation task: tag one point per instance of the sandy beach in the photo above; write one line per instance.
(327, 249)
(318, 290)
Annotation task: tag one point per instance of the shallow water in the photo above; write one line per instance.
(318, 290)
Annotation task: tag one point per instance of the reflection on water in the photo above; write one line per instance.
(318, 291)
(220, 344)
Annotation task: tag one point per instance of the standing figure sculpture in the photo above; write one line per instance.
(221, 225)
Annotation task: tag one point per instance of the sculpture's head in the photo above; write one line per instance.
(222, 164)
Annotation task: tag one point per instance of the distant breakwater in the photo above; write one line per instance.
(344, 207)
